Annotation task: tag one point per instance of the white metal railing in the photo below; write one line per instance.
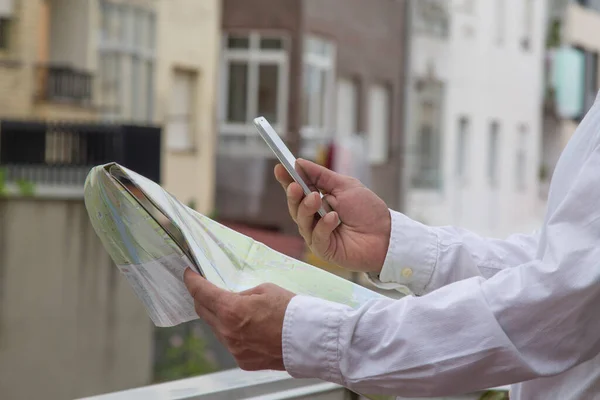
(238, 384)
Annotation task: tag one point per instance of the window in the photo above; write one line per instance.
(428, 135)
(521, 159)
(180, 123)
(126, 68)
(431, 17)
(528, 14)
(462, 149)
(379, 124)
(4, 33)
(591, 80)
(499, 19)
(493, 143)
(255, 81)
(347, 107)
(318, 86)
(593, 4)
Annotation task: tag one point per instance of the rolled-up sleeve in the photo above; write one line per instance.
(536, 319)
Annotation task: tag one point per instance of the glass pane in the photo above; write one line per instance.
(306, 83)
(267, 92)
(317, 46)
(271, 43)
(151, 31)
(149, 90)
(136, 96)
(114, 20)
(138, 28)
(238, 42)
(321, 87)
(237, 102)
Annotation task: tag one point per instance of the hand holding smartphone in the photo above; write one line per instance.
(288, 160)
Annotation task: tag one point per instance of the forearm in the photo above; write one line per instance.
(470, 335)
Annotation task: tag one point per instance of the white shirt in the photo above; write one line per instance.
(487, 312)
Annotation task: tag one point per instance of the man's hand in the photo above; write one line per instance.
(249, 323)
(360, 243)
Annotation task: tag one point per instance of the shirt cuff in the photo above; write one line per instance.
(411, 257)
(312, 324)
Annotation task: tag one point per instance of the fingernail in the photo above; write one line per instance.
(330, 217)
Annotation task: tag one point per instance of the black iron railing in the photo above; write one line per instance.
(63, 153)
(64, 84)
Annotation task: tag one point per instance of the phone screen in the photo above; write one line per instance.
(288, 160)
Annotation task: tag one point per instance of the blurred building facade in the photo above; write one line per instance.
(139, 62)
(474, 128)
(84, 82)
(572, 71)
(318, 71)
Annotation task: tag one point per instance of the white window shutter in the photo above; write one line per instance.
(379, 124)
(347, 108)
(179, 129)
(7, 8)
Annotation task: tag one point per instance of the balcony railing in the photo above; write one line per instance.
(64, 84)
(238, 384)
(61, 154)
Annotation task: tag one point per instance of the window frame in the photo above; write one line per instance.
(493, 154)
(254, 57)
(128, 53)
(191, 146)
(463, 133)
(326, 63)
(382, 155)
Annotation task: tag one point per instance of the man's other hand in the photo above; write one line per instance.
(360, 243)
(249, 323)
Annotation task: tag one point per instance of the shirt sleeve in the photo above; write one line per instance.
(421, 258)
(537, 319)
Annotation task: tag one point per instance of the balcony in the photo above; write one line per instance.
(55, 158)
(63, 84)
(238, 384)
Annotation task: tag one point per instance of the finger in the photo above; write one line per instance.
(204, 292)
(294, 195)
(321, 235)
(206, 315)
(282, 176)
(306, 215)
(322, 178)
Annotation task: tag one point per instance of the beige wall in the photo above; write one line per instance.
(71, 34)
(30, 34)
(189, 39)
(582, 27)
(70, 326)
(16, 64)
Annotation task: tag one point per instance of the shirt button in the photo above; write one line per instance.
(407, 272)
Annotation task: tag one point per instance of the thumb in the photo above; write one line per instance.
(322, 178)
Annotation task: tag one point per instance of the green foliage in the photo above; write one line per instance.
(2, 182)
(183, 354)
(494, 395)
(25, 187)
(554, 31)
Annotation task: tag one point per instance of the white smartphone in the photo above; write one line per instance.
(288, 160)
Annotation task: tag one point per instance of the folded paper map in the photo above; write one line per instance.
(153, 238)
